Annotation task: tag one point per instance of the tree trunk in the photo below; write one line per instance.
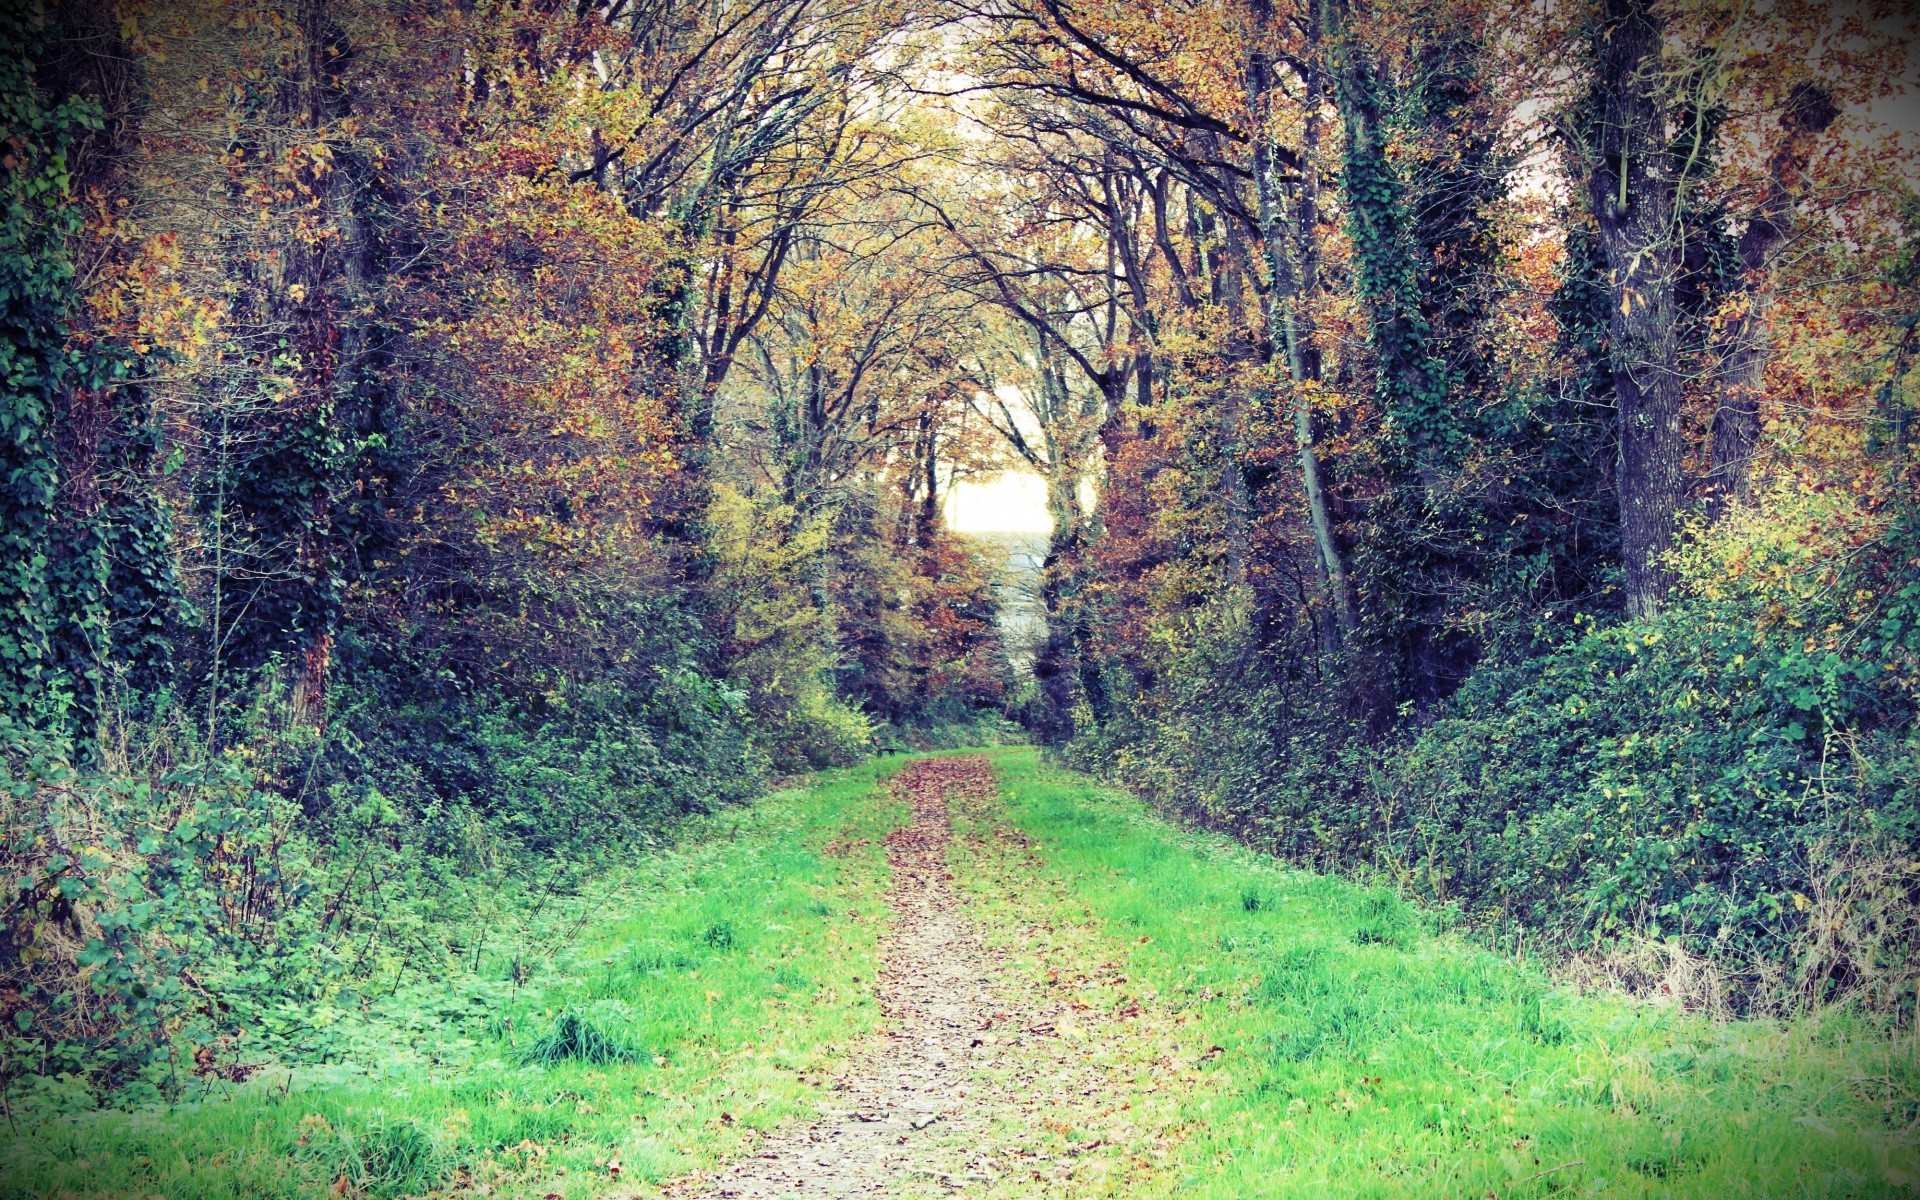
(1291, 283)
(1631, 189)
(1056, 665)
(1736, 420)
(1748, 345)
(1236, 501)
(1388, 267)
(330, 280)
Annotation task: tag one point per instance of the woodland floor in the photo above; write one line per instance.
(985, 975)
(1079, 998)
(973, 1058)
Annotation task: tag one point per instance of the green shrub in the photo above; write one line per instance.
(388, 1157)
(179, 899)
(1720, 775)
(577, 1037)
(149, 914)
(1682, 777)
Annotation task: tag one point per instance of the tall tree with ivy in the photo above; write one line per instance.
(1418, 224)
(1421, 171)
(37, 218)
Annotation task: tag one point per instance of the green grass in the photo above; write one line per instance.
(649, 1022)
(1324, 1038)
(1364, 1054)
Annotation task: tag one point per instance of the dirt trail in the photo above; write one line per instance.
(966, 1064)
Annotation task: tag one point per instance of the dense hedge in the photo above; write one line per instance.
(1712, 776)
(188, 895)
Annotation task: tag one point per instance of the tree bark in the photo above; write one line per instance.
(333, 274)
(1057, 663)
(1285, 241)
(1631, 189)
(1236, 500)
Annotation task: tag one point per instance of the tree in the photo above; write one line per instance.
(1633, 184)
(36, 272)
(1746, 343)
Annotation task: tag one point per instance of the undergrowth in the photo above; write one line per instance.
(597, 1035)
(1350, 1045)
(1737, 777)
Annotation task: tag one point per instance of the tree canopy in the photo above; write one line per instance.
(1478, 441)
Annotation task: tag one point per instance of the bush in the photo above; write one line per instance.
(150, 913)
(1737, 776)
(1672, 777)
(1691, 776)
(168, 903)
(388, 1157)
(578, 1037)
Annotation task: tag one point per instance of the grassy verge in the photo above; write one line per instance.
(611, 1040)
(1345, 1048)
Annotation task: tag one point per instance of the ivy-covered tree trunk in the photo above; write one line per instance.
(1418, 173)
(1632, 194)
(112, 583)
(143, 589)
(1056, 662)
(1420, 176)
(78, 568)
(1387, 272)
(37, 217)
(297, 456)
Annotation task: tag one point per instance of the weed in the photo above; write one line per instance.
(1298, 973)
(387, 1157)
(540, 1126)
(1385, 920)
(1378, 902)
(791, 979)
(1536, 1024)
(719, 936)
(1375, 933)
(1660, 1166)
(575, 1036)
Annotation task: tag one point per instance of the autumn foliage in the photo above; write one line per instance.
(1477, 444)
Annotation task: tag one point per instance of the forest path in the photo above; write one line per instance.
(977, 1072)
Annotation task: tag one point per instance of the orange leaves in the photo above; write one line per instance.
(535, 316)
